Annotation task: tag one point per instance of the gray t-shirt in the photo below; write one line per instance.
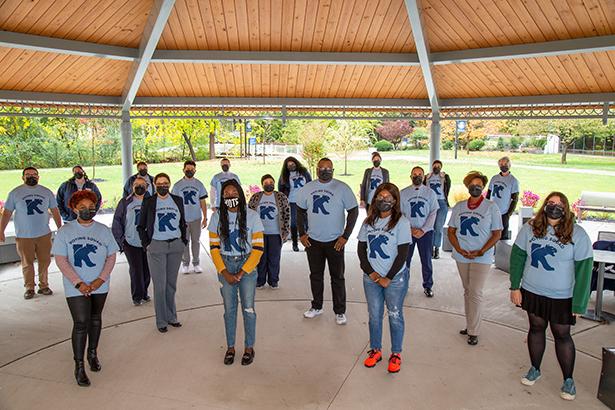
(133, 214)
(30, 206)
(192, 191)
(375, 181)
(502, 188)
(166, 224)
(268, 211)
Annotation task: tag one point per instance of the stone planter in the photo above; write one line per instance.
(525, 214)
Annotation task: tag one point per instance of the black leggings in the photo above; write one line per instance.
(87, 322)
(564, 346)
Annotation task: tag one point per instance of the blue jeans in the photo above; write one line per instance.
(439, 223)
(246, 288)
(393, 296)
(269, 266)
(424, 244)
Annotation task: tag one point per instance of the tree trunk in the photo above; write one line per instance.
(212, 145)
(564, 152)
(345, 163)
(189, 144)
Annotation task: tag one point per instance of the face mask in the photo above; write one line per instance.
(78, 175)
(417, 180)
(475, 190)
(436, 170)
(87, 214)
(384, 205)
(189, 174)
(504, 168)
(325, 174)
(162, 190)
(291, 167)
(225, 167)
(143, 172)
(31, 181)
(376, 163)
(139, 190)
(231, 202)
(268, 188)
(554, 211)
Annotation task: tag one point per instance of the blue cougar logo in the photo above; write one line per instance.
(164, 221)
(375, 246)
(82, 255)
(374, 182)
(266, 212)
(32, 206)
(497, 191)
(137, 216)
(319, 204)
(231, 242)
(189, 197)
(416, 208)
(298, 182)
(435, 187)
(539, 254)
(467, 225)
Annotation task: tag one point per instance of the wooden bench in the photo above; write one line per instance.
(596, 202)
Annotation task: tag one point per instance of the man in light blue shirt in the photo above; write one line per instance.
(218, 180)
(324, 202)
(31, 204)
(504, 191)
(194, 196)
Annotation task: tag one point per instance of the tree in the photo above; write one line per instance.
(419, 136)
(313, 138)
(346, 136)
(394, 131)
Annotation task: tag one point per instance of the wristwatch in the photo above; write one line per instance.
(78, 285)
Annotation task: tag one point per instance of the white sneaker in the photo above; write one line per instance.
(312, 313)
(198, 269)
(185, 269)
(340, 319)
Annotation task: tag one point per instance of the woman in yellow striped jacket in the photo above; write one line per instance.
(236, 244)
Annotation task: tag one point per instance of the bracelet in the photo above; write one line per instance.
(513, 288)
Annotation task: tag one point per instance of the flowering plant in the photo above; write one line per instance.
(252, 189)
(1, 206)
(529, 199)
(575, 208)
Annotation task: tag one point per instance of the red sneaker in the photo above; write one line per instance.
(373, 357)
(395, 363)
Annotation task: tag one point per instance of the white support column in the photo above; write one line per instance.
(434, 140)
(126, 131)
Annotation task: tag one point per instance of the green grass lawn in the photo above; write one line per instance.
(250, 172)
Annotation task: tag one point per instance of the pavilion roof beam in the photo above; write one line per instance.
(156, 22)
(422, 50)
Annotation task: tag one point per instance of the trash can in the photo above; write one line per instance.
(606, 388)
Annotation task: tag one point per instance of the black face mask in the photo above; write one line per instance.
(140, 190)
(417, 180)
(376, 163)
(554, 211)
(475, 191)
(384, 205)
(325, 174)
(291, 167)
(31, 181)
(78, 175)
(504, 168)
(189, 174)
(268, 188)
(143, 172)
(232, 202)
(87, 214)
(162, 190)
(436, 170)
(225, 168)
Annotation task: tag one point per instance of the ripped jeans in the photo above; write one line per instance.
(393, 296)
(246, 288)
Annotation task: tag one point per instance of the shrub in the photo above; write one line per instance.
(383, 145)
(448, 145)
(515, 142)
(476, 145)
(501, 145)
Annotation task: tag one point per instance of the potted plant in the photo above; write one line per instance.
(528, 203)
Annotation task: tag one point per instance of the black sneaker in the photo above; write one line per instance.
(29, 294)
(45, 291)
(295, 247)
(436, 253)
(472, 340)
(428, 292)
(137, 302)
(147, 299)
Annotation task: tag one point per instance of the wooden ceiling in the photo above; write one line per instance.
(317, 26)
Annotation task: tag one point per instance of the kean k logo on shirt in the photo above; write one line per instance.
(82, 253)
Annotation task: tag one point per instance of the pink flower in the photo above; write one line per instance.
(529, 199)
(1, 204)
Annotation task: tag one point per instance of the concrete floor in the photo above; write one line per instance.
(299, 363)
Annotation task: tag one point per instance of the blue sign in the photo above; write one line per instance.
(461, 126)
(252, 141)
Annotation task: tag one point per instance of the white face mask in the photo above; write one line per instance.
(231, 202)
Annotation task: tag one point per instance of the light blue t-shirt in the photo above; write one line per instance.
(232, 245)
(296, 182)
(502, 188)
(166, 224)
(87, 249)
(192, 191)
(268, 212)
(216, 183)
(549, 267)
(133, 214)
(474, 227)
(435, 183)
(325, 204)
(30, 206)
(375, 180)
(382, 244)
(416, 205)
